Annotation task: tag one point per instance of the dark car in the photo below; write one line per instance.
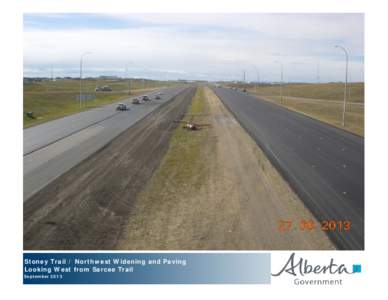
(122, 106)
(157, 97)
(135, 101)
(146, 98)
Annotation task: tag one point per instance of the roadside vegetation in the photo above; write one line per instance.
(319, 101)
(49, 100)
(184, 161)
(327, 112)
(323, 91)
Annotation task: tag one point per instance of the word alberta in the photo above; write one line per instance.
(302, 267)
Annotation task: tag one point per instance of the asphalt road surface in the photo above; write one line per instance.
(89, 206)
(323, 164)
(52, 148)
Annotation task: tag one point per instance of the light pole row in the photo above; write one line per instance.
(346, 81)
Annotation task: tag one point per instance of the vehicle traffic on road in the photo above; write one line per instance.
(122, 106)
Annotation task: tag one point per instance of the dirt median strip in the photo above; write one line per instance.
(87, 207)
(215, 189)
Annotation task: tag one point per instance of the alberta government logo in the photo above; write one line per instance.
(301, 270)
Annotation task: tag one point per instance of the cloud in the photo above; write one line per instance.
(213, 46)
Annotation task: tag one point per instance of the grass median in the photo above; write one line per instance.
(184, 162)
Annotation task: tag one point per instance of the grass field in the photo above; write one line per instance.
(319, 101)
(49, 100)
(324, 91)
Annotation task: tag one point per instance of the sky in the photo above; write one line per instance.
(210, 47)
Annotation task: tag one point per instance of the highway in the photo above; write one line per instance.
(52, 148)
(323, 164)
(89, 206)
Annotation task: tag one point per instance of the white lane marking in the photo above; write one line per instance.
(31, 162)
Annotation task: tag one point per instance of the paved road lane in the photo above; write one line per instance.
(65, 143)
(39, 136)
(323, 164)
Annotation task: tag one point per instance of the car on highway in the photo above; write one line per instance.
(157, 97)
(122, 106)
(146, 98)
(135, 101)
(105, 88)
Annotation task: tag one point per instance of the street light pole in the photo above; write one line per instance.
(129, 80)
(258, 77)
(346, 82)
(80, 78)
(281, 81)
(349, 87)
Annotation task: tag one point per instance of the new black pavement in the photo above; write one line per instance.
(323, 164)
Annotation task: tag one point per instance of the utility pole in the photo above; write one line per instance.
(346, 82)
(349, 87)
(80, 78)
(129, 80)
(258, 77)
(281, 80)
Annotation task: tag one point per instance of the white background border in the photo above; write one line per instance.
(372, 259)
